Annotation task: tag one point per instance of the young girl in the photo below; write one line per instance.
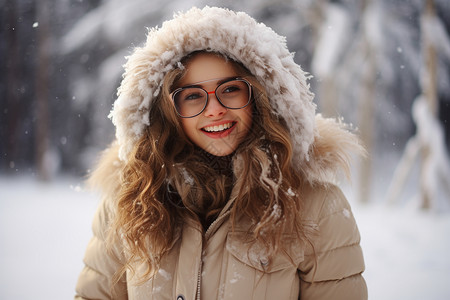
(220, 182)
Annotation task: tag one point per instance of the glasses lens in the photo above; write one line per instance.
(190, 101)
(234, 94)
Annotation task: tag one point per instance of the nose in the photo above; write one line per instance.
(214, 108)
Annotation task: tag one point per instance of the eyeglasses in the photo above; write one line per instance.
(190, 101)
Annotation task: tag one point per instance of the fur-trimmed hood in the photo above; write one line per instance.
(236, 35)
(320, 145)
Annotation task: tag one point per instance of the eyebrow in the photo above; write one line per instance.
(218, 82)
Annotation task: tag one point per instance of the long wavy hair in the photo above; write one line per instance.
(164, 182)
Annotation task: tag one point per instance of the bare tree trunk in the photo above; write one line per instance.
(317, 19)
(42, 90)
(12, 83)
(428, 82)
(327, 87)
(366, 125)
(367, 113)
(328, 99)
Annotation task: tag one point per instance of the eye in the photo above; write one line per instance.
(230, 89)
(192, 96)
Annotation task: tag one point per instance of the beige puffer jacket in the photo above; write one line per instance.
(220, 265)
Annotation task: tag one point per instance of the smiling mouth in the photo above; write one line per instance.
(218, 128)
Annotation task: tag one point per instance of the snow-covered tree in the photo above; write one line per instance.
(427, 146)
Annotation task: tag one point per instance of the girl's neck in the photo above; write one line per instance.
(221, 164)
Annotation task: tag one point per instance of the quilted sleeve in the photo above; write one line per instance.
(333, 266)
(96, 278)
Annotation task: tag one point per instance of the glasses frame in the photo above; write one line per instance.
(250, 95)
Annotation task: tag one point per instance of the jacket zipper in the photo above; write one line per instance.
(199, 275)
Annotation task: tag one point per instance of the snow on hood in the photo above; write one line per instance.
(234, 34)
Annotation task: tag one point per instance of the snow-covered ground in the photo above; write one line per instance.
(407, 252)
(44, 229)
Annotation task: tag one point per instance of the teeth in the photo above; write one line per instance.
(217, 128)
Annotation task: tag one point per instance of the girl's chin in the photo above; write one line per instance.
(219, 150)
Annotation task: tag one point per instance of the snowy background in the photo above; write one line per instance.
(61, 65)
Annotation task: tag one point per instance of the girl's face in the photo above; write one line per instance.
(217, 130)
